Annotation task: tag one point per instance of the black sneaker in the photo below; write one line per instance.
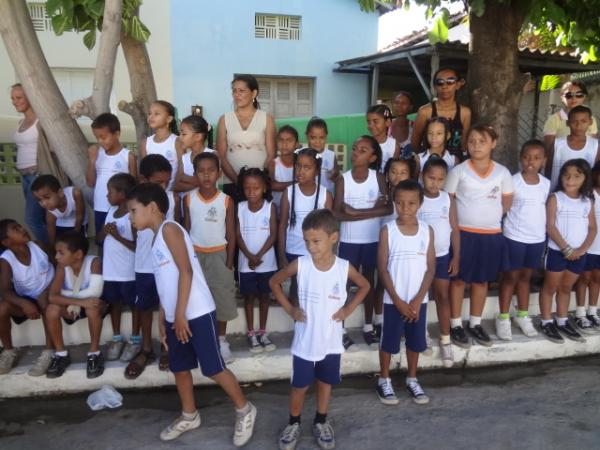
(594, 320)
(58, 366)
(348, 343)
(570, 332)
(370, 337)
(584, 325)
(480, 335)
(459, 338)
(377, 329)
(95, 365)
(550, 331)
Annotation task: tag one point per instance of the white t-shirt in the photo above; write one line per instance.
(388, 148)
(435, 212)
(448, 158)
(118, 262)
(595, 247)
(26, 142)
(106, 167)
(207, 221)
(479, 199)
(68, 217)
(85, 272)
(572, 219)
(33, 279)
(303, 204)
(255, 228)
(361, 196)
(327, 165)
(167, 148)
(526, 219)
(563, 153)
(282, 174)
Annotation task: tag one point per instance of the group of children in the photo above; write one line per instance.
(386, 233)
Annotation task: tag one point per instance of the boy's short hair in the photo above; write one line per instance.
(146, 193)
(579, 109)
(289, 130)
(321, 219)
(154, 163)
(531, 143)
(410, 185)
(48, 181)
(74, 240)
(107, 120)
(122, 182)
(4, 224)
(206, 155)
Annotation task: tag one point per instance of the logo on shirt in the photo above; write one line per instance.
(445, 211)
(121, 229)
(118, 165)
(494, 193)
(373, 194)
(160, 256)
(211, 215)
(169, 154)
(422, 248)
(266, 222)
(335, 292)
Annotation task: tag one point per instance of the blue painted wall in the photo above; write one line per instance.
(213, 40)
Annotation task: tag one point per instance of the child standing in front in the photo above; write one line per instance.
(437, 133)
(525, 235)
(483, 190)
(317, 344)
(187, 315)
(406, 266)
(571, 228)
(210, 218)
(281, 169)
(379, 121)
(316, 136)
(256, 232)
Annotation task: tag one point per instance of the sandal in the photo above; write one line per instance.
(137, 365)
(163, 361)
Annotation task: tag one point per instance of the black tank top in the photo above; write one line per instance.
(456, 128)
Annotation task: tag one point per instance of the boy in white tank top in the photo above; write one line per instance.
(26, 274)
(188, 325)
(317, 344)
(75, 294)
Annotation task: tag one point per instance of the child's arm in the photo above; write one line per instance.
(549, 159)
(90, 173)
(89, 297)
(277, 186)
(416, 302)
(187, 220)
(335, 172)
(7, 293)
(363, 290)
(506, 202)
(132, 165)
(284, 215)
(184, 182)
(397, 150)
(79, 208)
(104, 231)
(222, 151)
(417, 159)
(162, 332)
(142, 148)
(241, 244)
(551, 229)
(454, 239)
(589, 239)
(51, 226)
(272, 233)
(288, 271)
(230, 232)
(112, 230)
(382, 208)
(176, 208)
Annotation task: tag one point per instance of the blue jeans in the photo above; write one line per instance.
(35, 215)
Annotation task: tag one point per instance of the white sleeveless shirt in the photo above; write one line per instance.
(361, 196)
(595, 247)
(388, 148)
(68, 217)
(563, 153)
(167, 148)
(327, 165)
(33, 279)
(85, 272)
(246, 147)
(166, 274)
(282, 174)
(435, 212)
(118, 262)
(303, 204)
(448, 158)
(26, 142)
(106, 167)
(320, 295)
(255, 228)
(572, 219)
(207, 221)
(187, 163)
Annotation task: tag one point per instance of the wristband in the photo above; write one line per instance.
(567, 251)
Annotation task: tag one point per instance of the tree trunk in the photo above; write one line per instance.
(64, 135)
(110, 38)
(494, 81)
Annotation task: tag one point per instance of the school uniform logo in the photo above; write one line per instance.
(494, 193)
(445, 212)
(335, 292)
(211, 215)
(422, 248)
(160, 257)
(169, 154)
(118, 165)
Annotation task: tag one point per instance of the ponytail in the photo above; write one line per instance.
(170, 109)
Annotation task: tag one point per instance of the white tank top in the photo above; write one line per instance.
(118, 262)
(572, 219)
(303, 204)
(207, 221)
(255, 228)
(283, 174)
(246, 147)
(320, 295)
(526, 219)
(86, 273)
(106, 167)
(166, 275)
(187, 164)
(435, 212)
(448, 158)
(407, 261)
(33, 279)
(68, 217)
(26, 142)
(563, 153)
(361, 196)
(388, 148)
(167, 149)
(327, 165)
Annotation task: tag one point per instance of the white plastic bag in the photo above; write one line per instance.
(105, 397)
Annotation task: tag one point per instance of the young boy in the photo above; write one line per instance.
(106, 159)
(209, 217)
(188, 321)
(65, 207)
(75, 294)
(118, 266)
(25, 274)
(317, 344)
(406, 266)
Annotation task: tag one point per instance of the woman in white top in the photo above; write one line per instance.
(245, 136)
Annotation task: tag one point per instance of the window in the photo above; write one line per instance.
(272, 26)
(286, 97)
(39, 18)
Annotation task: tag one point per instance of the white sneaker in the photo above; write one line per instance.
(225, 351)
(526, 326)
(130, 351)
(324, 435)
(447, 355)
(244, 426)
(40, 366)
(114, 350)
(428, 351)
(8, 360)
(180, 426)
(289, 437)
(266, 343)
(503, 329)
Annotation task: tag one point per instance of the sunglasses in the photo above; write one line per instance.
(442, 81)
(570, 95)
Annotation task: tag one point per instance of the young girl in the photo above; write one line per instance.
(379, 121)
(316, 135)
(571, 228)
(437, 133)
(525, 235)
(438, 210)
(256, 232)
(402, 128)
(281, 169)
(161, 118)
(360, 202)
(483, 191)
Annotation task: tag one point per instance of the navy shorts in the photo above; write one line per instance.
(20, 319)
(120, 292)
(482, 257)
(326, 371)
(395, 326)
(442, 264)
(524, 256)
(556, 262)
(145, 290)
(592, 262)
(99, 219)
(203, 347)
(359, 255)
(255, 282)
(290, 256)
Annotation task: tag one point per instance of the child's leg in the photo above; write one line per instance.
(507, 289)
(563, 295)
(135, 321)
(478, 296)
(369, 302)
(115, 317)
(54, 325)
(581, 287)
(523, 288)
(297, 396)
(551, 283)
(442, 304)
(6, 311)
(146, 317)
(263, 310)
(95, 319)
(185, 389)
(384, 364)
(42, 303)
(226, 379)
(323, 397)
(457, 295)
(412, 359)
(249, 309)
(594, 288)
(222, 326)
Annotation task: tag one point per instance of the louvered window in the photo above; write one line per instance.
(39, 18)
(272, 26)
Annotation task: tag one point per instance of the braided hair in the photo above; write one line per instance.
(311, 152)
(246, 172)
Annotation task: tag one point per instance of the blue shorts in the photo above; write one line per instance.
(255, 282)
(203, 347)
(556, 262)
(20, 319)
(482, 257)
(290, 256)
(592, 262)
(326, 371)
(395, 326)
(524, 256)
(442, 264)
(145, 290)
(120, 292)
(359, 255)
(99, 219)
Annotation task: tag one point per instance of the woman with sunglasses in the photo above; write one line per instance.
(447, 82)
(573, 93)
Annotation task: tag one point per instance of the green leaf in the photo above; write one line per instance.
(89, 39)
(138, 30)
(592, 53)
(53, 7)
(95, 9)
(549, 82)
(61, 23)
(439, 31)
